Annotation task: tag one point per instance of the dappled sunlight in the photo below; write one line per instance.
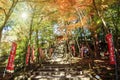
(24, 15)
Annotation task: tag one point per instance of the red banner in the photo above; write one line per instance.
(33, 57)
(110, 48)
(28, 55)
(10, 65)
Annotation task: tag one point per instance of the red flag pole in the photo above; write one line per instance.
(110, 48)
(10, 65)
(112, 53)
(11, 58)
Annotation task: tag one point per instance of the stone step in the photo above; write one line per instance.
(58, 64)
(55, 72)
(59, 77)
(61, 66)
(58, 68)
(55, 69)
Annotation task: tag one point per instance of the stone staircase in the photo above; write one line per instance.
(49, 71)
(76, 71)
(82, 70)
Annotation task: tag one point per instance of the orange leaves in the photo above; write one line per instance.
(60, 38)
(70, 27)
(83, 3)
(72, 18)
(89, 1)
(69, 6)
(67, 29)
(72, 2)
(65, 5)
(82, 22)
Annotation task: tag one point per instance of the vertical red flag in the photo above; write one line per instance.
(33, 57)
(28, 55)
(10, 65)
(110, 48)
